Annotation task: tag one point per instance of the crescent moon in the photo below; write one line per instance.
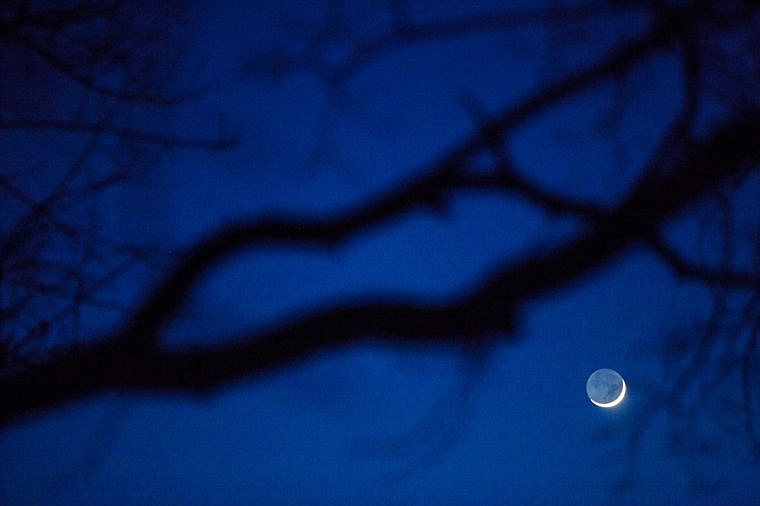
(614, 403)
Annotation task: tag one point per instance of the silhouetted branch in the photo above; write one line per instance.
(406, 33)
(682, 267)
(135, 359)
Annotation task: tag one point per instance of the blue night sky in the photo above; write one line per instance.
(373, 423)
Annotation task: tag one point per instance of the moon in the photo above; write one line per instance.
(605, 388)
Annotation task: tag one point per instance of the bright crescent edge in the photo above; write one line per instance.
(614, 403)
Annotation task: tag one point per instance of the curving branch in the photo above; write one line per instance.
(406, 33)
(427, 190)
(684, 268)
(135, 360)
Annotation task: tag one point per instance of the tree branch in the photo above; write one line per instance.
(684, 268)
(132, 361)
(409, 33)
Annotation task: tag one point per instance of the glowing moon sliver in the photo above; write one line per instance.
(614, 403)
(606, 388)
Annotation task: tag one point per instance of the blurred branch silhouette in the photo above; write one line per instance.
(703, 163)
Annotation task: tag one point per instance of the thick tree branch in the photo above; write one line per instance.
(427, 190)
(132, 362)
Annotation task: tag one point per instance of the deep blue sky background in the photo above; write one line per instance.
(374, 424)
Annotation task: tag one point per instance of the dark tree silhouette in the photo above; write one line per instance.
(704, 164)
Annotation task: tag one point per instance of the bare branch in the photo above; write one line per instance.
(405, 32)
(409, 33)
(88, 127)
(682, 267)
